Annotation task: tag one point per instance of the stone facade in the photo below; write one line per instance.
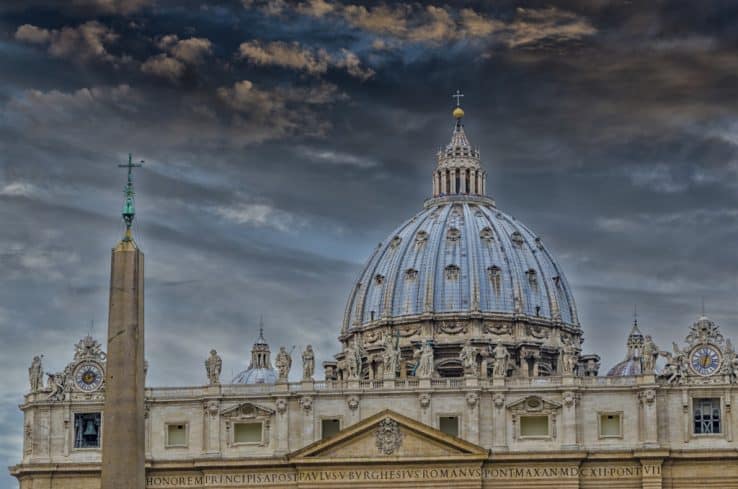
(462, 369)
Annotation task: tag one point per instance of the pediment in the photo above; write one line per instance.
(533, 404)
(388, 435)
(247, 410)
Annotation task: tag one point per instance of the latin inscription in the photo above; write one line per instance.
(258, 479)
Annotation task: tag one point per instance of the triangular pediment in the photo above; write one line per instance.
(533, 404)
(388, 435)
(247, 410)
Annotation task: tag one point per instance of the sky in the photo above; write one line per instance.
(284, 139)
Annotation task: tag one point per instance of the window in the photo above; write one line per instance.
(449, 425)
(330, 427)
(535, 426)
(87, 430)
(706, 416)
(610, 425)
(247, 433)
(176, 435)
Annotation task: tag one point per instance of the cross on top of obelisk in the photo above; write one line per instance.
(458, 96)
(129, 209)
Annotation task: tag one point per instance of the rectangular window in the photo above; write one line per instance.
(86, 430)
(330, 427)
(247, 433)
(449, 425)
(706, 416)
(536, 426)
(177, 435)
(610, 425)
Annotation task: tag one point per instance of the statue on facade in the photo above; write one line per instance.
(213, 367)
(56, 385)
(308, 363)
(468, 357)
(649, 355)
(676, 365)
(501, 358)
(390, 357)
(568, 360)
(425, 365)
(283, 363)
(352, 355)
(730, 362)
(36, 374)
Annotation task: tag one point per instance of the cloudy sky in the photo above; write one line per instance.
(284, 139)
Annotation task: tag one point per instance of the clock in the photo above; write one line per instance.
(88, 376)
(705, 360)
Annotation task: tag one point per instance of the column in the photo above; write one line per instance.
(473, 181)
(452, 175)
(462, 180)
(444, 179)
(569, 421)
(499, 422)
(435, 186)
(123, 443)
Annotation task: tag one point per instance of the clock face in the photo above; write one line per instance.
(705, 360)
(88, 377)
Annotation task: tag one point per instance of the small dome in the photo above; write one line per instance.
(256, 376)
(631, 366)
(260, 369)
(632, 363)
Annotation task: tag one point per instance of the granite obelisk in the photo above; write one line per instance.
(123, 459)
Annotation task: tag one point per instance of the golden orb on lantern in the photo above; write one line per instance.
(458, 113)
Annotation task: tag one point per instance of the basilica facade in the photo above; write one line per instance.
(460, 365)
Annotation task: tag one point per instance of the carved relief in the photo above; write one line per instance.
(496, 328)
(211, 407)
(498, 400)
(424, 400)
(451, 327)
(472, 398)
(407, 330)
(569, 398)
(281, 405)
(389, 436)
(306, 403)
(373, 336)
(648, 396)
(353, 402)
(538, 332)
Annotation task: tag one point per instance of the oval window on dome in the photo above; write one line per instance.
(486, 234)
(532, 277)
(379, 279)
(452, 272)
(517, 238)
(395, 242)
(421, 237)
(411, 274)
(453, 234)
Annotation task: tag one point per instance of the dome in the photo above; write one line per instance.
(461, 272)
(461, 256)
(260, 369)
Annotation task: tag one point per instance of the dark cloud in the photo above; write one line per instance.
(272, 171)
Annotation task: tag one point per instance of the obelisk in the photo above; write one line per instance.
(123, 459)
